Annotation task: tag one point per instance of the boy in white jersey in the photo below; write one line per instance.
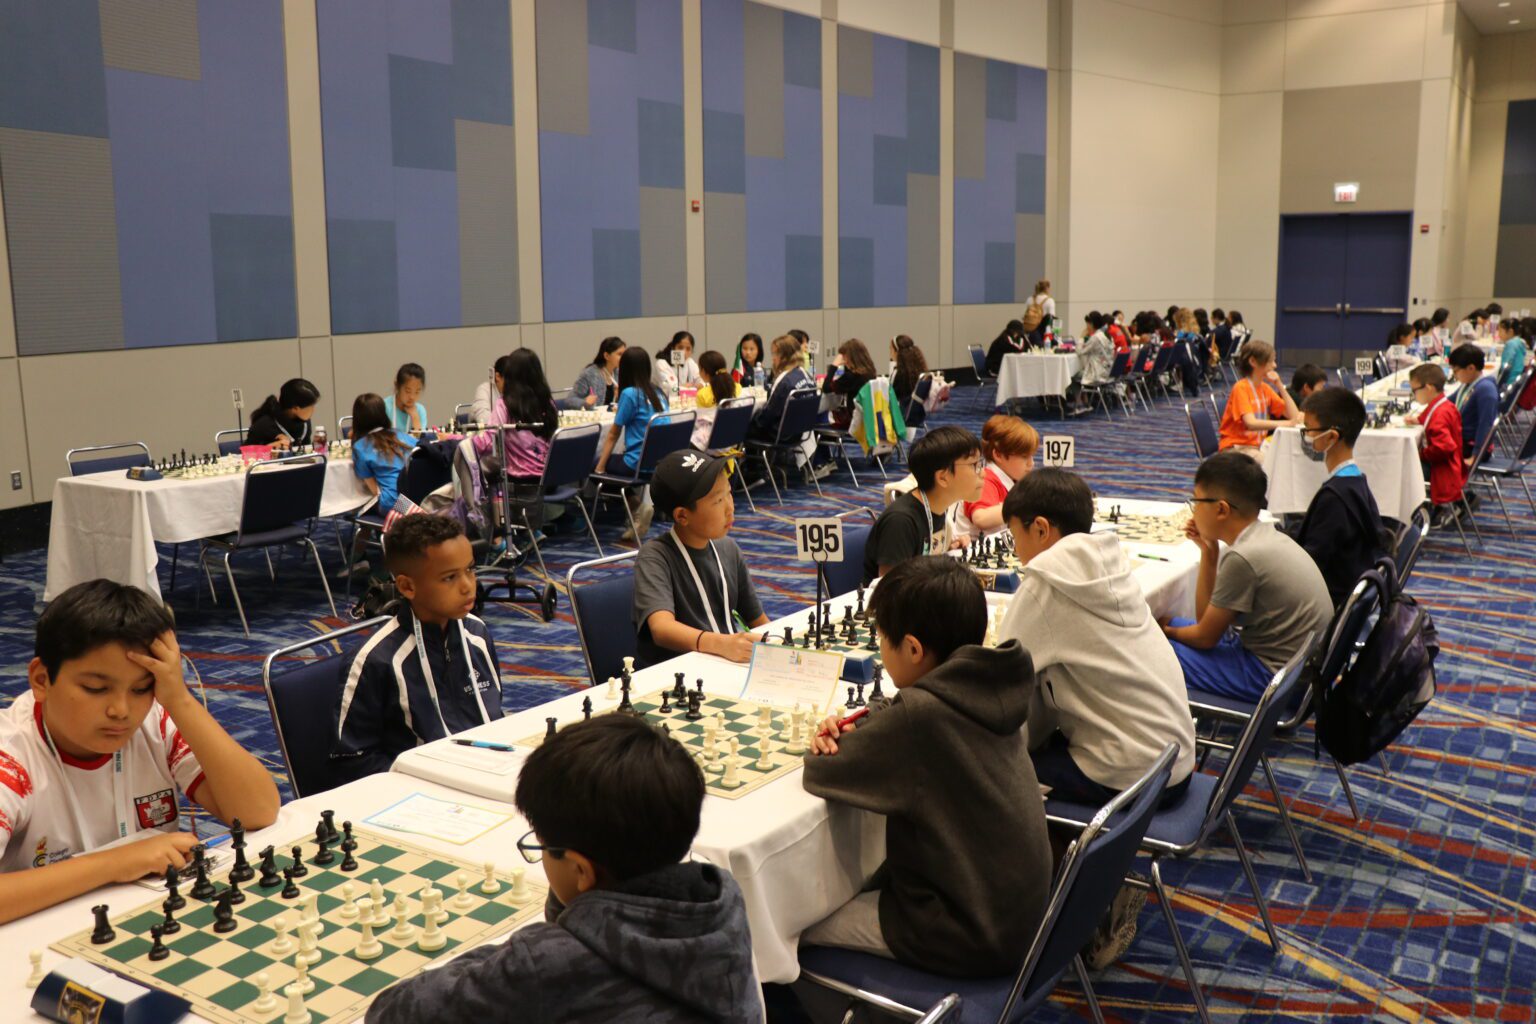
(92, 755)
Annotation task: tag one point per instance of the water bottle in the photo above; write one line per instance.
(757, 375)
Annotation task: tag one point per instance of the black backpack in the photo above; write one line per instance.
(1387, 684)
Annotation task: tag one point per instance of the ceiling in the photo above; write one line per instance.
(1493, 16)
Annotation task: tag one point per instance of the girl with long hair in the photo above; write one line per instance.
(283, 420)
(639, 403)
(379, 450)
(851, 369)
(406, 409)
(597, 384)
(666, 375)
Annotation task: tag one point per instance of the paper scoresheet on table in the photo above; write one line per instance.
(447, 820)
(785, 676)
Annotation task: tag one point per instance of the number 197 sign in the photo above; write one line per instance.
(819, 540)
(1058, 450)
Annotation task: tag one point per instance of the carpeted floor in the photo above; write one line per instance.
(1423, 911)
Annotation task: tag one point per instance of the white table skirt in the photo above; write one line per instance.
(1032, 375)
(106, 525)
(1389, 457)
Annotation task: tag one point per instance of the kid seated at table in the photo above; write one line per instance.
(1254, 408)
(968, 863)
(634, 930)
(1440, 445)
(1309, 377)
(1263, 582)
(693, 591)
(947, 465)
(1342, 529)
(93, 754)
(1008, 444)
(429, 672)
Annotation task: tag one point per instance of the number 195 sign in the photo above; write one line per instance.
(819, 540)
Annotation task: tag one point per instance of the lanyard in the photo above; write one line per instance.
(928, 521)
(118, 807)
(426, 671)
(698, 582)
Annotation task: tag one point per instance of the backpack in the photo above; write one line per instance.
(1389, 682)
(1033, 314)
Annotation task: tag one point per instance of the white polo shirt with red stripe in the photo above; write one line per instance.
(53, 806)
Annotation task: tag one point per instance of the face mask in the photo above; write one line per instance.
(1312, 453)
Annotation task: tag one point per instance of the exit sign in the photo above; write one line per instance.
(1346, 192)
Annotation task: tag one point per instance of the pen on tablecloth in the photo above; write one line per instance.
(483, 745)
(1155, 558)
(218, 840)
(741, 623)
(843, 723)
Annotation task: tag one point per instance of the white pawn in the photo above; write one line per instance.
(368, 947)
(796, 744)
(519, 894)
(711, 761)
(490, 886)
(732, 777)
(432, 937)
(403, 931)
(296, 1013)
(764, 751)
(36, 977)
(463, 901)
(348, 910)
(380, 907)
(613, 689)
(301, 976)
(283, 945)
(265, 1002)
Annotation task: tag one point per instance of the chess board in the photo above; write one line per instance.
(217, 972)
(740, 717)
(1146, 529)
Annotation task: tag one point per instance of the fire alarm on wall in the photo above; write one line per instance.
(695, 204)
(1423, 229)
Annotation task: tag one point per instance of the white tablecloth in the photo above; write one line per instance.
(106, 525)
(354, 801)
(1388, 456)
(1032, 375)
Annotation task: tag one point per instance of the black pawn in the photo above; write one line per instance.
(666, 703)
(269, 877)
(693, 714)
(789, 636)
(852, 703)
(170, 926)
(290, 890)
(698, 688)
(299, 870)
(323, 855)
(876, 694)
(348, 862)
(157, 951)
(224, 913)
(586, 709)
(233, 892)
(202, 888)
(348, 843)
(173, 897)
(551, 726)
(860, 702)
(102, 933)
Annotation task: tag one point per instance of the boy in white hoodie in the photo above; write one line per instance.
(1111, 691)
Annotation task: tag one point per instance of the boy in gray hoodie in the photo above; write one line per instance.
(968, 865)
(632, 935)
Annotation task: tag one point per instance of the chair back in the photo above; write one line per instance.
(1482, 446)
(1091, 873)
(1379, 367)
(603, 610)
(1164, 360)
(1203, 430)
(281, 492)
(946, 1009)
(799, 415)
(572, 451)
(978, 361)
(1351, 624)
(128, 454)
(1527, 449)
(1121, 366)
(915, 413)
(302, 701)
(228, 442)
(733, 421)
(422, 474)
(666, 433)
(1412, 534)
(844, 577)
(1143, 354)
(344, 427)
(463, 414)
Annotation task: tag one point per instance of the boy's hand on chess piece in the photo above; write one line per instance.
(824, 742)
(163, 662)
(151, 856)
(736, 647)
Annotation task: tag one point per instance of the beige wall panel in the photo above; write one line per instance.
(1439, 40)
(1430, 195)
(525, 118)
(1363, 133)
(1111, 39)
(1208, 11)
(1484, 190)
(1244, 12)
(311, 260)
(1171, 200)
(1248, 198)
(1318, 8)
(570, 346)
(7, 312)
(721, 331)
(83, 398)
(317, 365)
(1258, 314)
(1012, 30)
(876, 327)
(978, 325)
(456, 360)
(1505, 67)
(809, 7)
(1253, 57)
(13, 440)
(917, 20)
(1354, 49)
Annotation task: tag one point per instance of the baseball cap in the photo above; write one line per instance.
(681, 478)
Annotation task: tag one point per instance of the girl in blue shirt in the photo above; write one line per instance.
(639, 402)
(1513, 354)
(378, 450)
(406, 411)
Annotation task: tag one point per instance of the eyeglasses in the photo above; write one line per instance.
(979, 466)
(1192, 502)
(1309, 431)
(533, 851)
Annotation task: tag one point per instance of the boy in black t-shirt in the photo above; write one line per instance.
(947, 465)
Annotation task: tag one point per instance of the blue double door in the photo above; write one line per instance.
(1343, 283)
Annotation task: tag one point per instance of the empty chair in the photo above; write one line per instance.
(603, 611)
(667, 432)
(228, 442)
(728, 435)
(1202, 429)
(90, 459)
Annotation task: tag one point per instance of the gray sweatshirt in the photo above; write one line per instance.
(671, 946)
(968, 865)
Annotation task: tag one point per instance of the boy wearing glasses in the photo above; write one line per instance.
(946, 463)
(1440, 447)
(1264, 582)
(633, 931)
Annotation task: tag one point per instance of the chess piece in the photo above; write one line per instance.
(299, 870)
(296, 1013)
(323, 855)
(551, 726)
(463, 901)
(698, 688)
(309, 910)
(102, 933)
(859, 612)
(35, 978)
(490, 886)
(876, 694)
(309, 943)
(242, 870)
(732, 777)
(629, 668)
(235, 895)
(157, 950)
(666, 703)
(173, 898)
(796, 744)
(224, 913)
(202, 888)
(764, 751)
(693, 714)
(265, 1002)
(432, 904)
(290, 890)
(710, 764)
(432, 937)
(348, 910)
(403, 931)
(282, 945)
(626, 707)
(679, 688)
(348, 862)
(269, 876)
(368, 947)
(586, 709)
(764, 718)
(380, 908)
(301, 975)
(860, 696)
(851, 698)
(520, 893)
(348, 843)
(329, 819)
(789, 636)
(613, 688)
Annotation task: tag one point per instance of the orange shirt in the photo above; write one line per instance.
(1248, 397)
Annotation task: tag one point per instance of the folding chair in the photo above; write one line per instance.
(796, 421)
(280, 506)
(1137, 376)
(666, 433)
(463, 414)
(302, 700)
(1202, 430)
(228, 442)
(844, 577)
(1483, 447)
(572, 451)
(1092, 871)
(1408, 540)
(983, 377)
(728, 436)
(131, 454)
(838, 441)
(604, 611)
(1161, 368)
(1185, 826)
(1113, 385)
(1511, 467)
(344, 427)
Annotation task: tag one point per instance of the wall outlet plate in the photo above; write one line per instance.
(15, 479)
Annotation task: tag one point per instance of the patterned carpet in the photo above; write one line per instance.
(1424, 911)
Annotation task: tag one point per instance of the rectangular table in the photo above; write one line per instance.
(1035, 375)
(1389, 457)
(106, 525)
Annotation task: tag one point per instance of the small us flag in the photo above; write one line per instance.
(403, 507)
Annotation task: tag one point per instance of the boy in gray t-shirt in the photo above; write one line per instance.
(692, 588)
(1265, 583)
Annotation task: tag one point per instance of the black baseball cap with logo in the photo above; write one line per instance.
(682, 478)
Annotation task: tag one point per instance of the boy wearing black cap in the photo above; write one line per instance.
(692, 588)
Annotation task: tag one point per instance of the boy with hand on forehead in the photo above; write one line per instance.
(693, 591)
(91, 756)
(431, 671)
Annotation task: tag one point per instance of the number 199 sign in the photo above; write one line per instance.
(819, 540)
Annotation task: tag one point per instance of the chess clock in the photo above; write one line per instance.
(76, 992)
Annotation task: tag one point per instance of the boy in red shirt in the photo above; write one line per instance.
(1440, 447)
(1008, 444)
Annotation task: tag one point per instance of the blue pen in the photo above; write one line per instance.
(483, 745)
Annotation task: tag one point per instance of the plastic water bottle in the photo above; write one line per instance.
(757, 375)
